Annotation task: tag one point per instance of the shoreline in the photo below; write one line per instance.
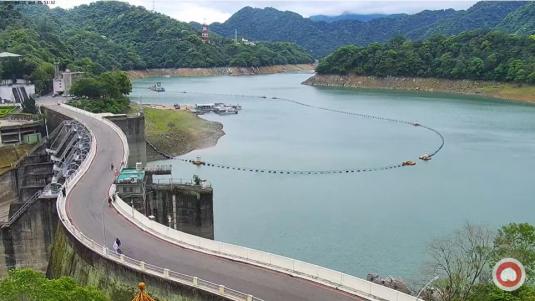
(171, 133)
(219, 71)
(497, 90)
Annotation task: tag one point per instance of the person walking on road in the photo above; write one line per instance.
(117, 246)
(111, 168)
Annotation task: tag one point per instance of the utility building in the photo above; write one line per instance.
(64, 80)
(204, 33)
(130, 186)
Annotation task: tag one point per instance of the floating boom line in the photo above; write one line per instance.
(435, 151)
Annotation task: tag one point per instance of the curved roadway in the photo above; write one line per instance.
(88, 210)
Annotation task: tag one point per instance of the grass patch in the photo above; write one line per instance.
(179, 132)
(4, 111)
(10, 154)
(524, 93)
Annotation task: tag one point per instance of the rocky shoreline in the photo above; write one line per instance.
(498, 90)
(219, 71)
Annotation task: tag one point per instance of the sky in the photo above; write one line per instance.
(219, 10)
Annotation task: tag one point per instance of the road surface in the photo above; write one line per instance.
(88, 209)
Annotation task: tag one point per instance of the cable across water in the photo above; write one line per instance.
(431, 154)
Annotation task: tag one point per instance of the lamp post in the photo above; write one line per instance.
(426, 285)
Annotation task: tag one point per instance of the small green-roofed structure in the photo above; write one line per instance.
(130, 186)
(130, 175)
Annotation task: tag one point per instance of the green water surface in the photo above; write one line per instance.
(357, 223)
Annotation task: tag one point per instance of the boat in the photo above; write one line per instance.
(204, 108)
(425, 157)
(157, 87)
(198, 161)
(225, 110)
(408, 163)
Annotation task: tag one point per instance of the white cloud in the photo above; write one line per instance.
(197, 12)
(219, 10)
(69, 4)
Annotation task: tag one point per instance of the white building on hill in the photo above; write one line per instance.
(63, 81)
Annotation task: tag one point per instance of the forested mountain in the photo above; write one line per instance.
(521, 21)
(346, 16)
(320, 38)
(114, 35)
(482, 15)
(478, 55)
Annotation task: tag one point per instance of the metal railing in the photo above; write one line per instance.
(23, 117)
(154, 270)
(159, 168)
(21, 210)
(179, 181)
(290, 266)
(133, 263)
(318, 274)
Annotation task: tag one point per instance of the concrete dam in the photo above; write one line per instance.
(73, 228)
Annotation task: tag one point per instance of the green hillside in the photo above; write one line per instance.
(108, 35)
(521, 21)
(475, 55)
(321, 38)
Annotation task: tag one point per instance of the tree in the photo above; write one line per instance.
(115, 83)
(531, 78)
(472, 55)
(124, 83)
(85, 65)
(88, 87)
(42, 78)
(489, 292)
(517, 241)
(461, 261)
(475, 67)
(13, 68)
(28, 285)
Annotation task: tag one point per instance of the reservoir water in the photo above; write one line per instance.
(356, 223)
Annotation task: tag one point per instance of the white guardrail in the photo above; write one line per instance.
(132, 263)
(318, 274)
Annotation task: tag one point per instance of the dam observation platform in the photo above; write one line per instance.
(227, 271)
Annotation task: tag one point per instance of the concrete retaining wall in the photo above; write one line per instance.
(8, 188)
(134, 129)
(27, 242)
(119, 283)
